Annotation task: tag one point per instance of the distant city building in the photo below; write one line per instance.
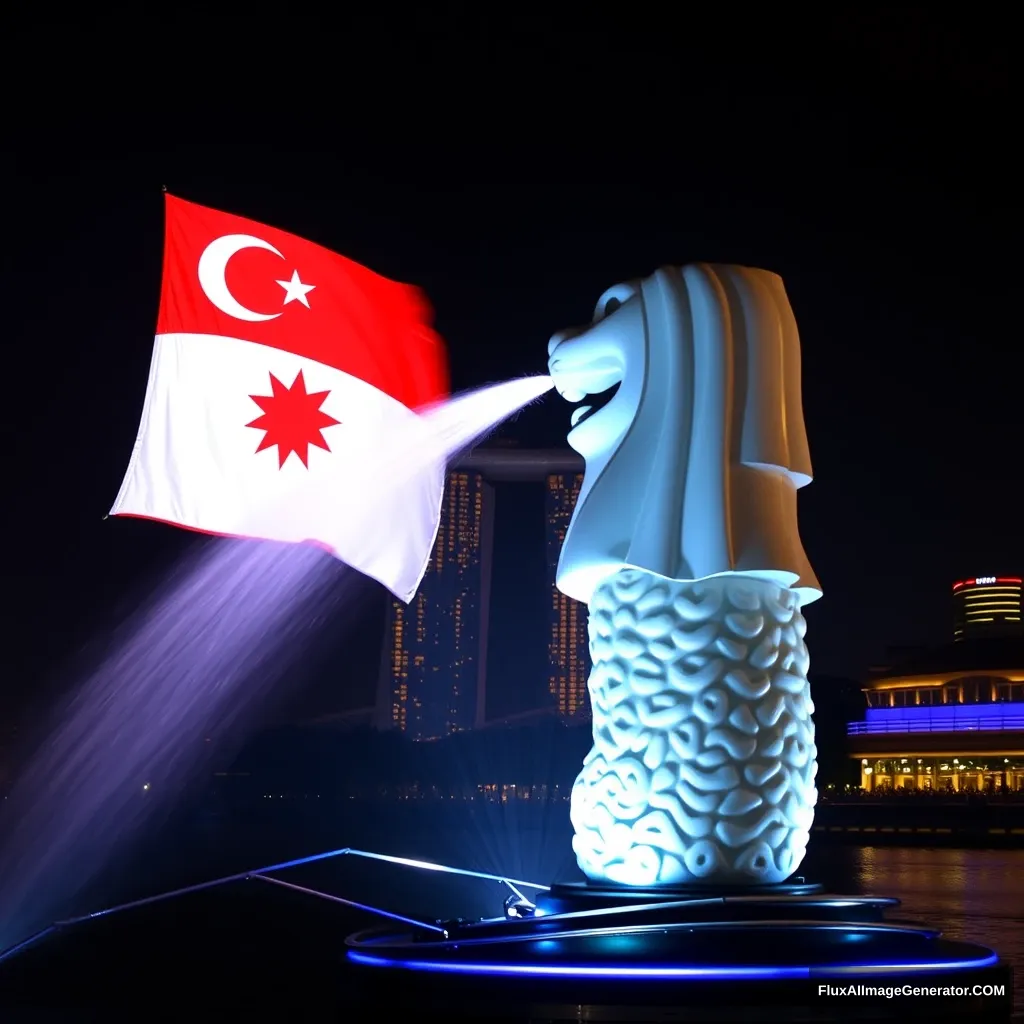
(434, 675)
(987, 607)
(568, 645)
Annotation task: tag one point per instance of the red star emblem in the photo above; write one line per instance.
(292, 419)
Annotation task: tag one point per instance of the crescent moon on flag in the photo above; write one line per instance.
(212, 265)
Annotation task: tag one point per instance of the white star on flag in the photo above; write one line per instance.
(295, 290)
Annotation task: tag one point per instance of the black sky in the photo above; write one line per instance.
(515, 172)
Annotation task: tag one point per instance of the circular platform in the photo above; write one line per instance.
(570, 896)
(780, 953)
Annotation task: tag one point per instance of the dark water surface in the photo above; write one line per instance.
(973, 895)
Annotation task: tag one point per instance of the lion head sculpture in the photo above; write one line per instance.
(693, 465)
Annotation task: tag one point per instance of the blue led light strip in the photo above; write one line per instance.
(611, 972)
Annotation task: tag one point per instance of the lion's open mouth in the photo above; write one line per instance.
(592, 404)
(588, 381)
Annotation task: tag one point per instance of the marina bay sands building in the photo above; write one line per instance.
(568, 646)
(434, 667)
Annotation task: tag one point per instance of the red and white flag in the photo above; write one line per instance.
(282, 399)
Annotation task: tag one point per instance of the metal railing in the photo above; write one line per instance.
(905, 725)
(263, 875)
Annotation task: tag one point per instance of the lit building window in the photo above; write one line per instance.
(432, 656)
(568, 645)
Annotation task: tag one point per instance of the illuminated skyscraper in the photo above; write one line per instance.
(987, 606)
(433, 679)
(433, 672)
(568, 645)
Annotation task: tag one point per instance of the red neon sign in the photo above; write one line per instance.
(985, 580)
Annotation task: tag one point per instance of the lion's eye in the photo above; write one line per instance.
(612, 299)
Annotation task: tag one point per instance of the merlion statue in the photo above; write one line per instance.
(684, 544)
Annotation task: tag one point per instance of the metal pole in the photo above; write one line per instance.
(352, 903)
(240, 877)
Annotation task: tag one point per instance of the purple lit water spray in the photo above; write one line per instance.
(198, 659)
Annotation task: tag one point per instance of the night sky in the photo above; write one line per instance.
(514, 174)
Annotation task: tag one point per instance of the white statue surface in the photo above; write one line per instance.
(685, 546)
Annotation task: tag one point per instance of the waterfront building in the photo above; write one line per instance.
(951, 719)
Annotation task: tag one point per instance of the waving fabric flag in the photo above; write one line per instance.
(283, 389)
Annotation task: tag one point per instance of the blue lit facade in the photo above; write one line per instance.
(942, 718)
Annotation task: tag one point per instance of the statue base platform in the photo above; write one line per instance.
(785, 952)
(591, 895)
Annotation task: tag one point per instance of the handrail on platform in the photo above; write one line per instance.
(514, 884)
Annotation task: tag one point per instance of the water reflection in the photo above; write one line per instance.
(974, 895)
